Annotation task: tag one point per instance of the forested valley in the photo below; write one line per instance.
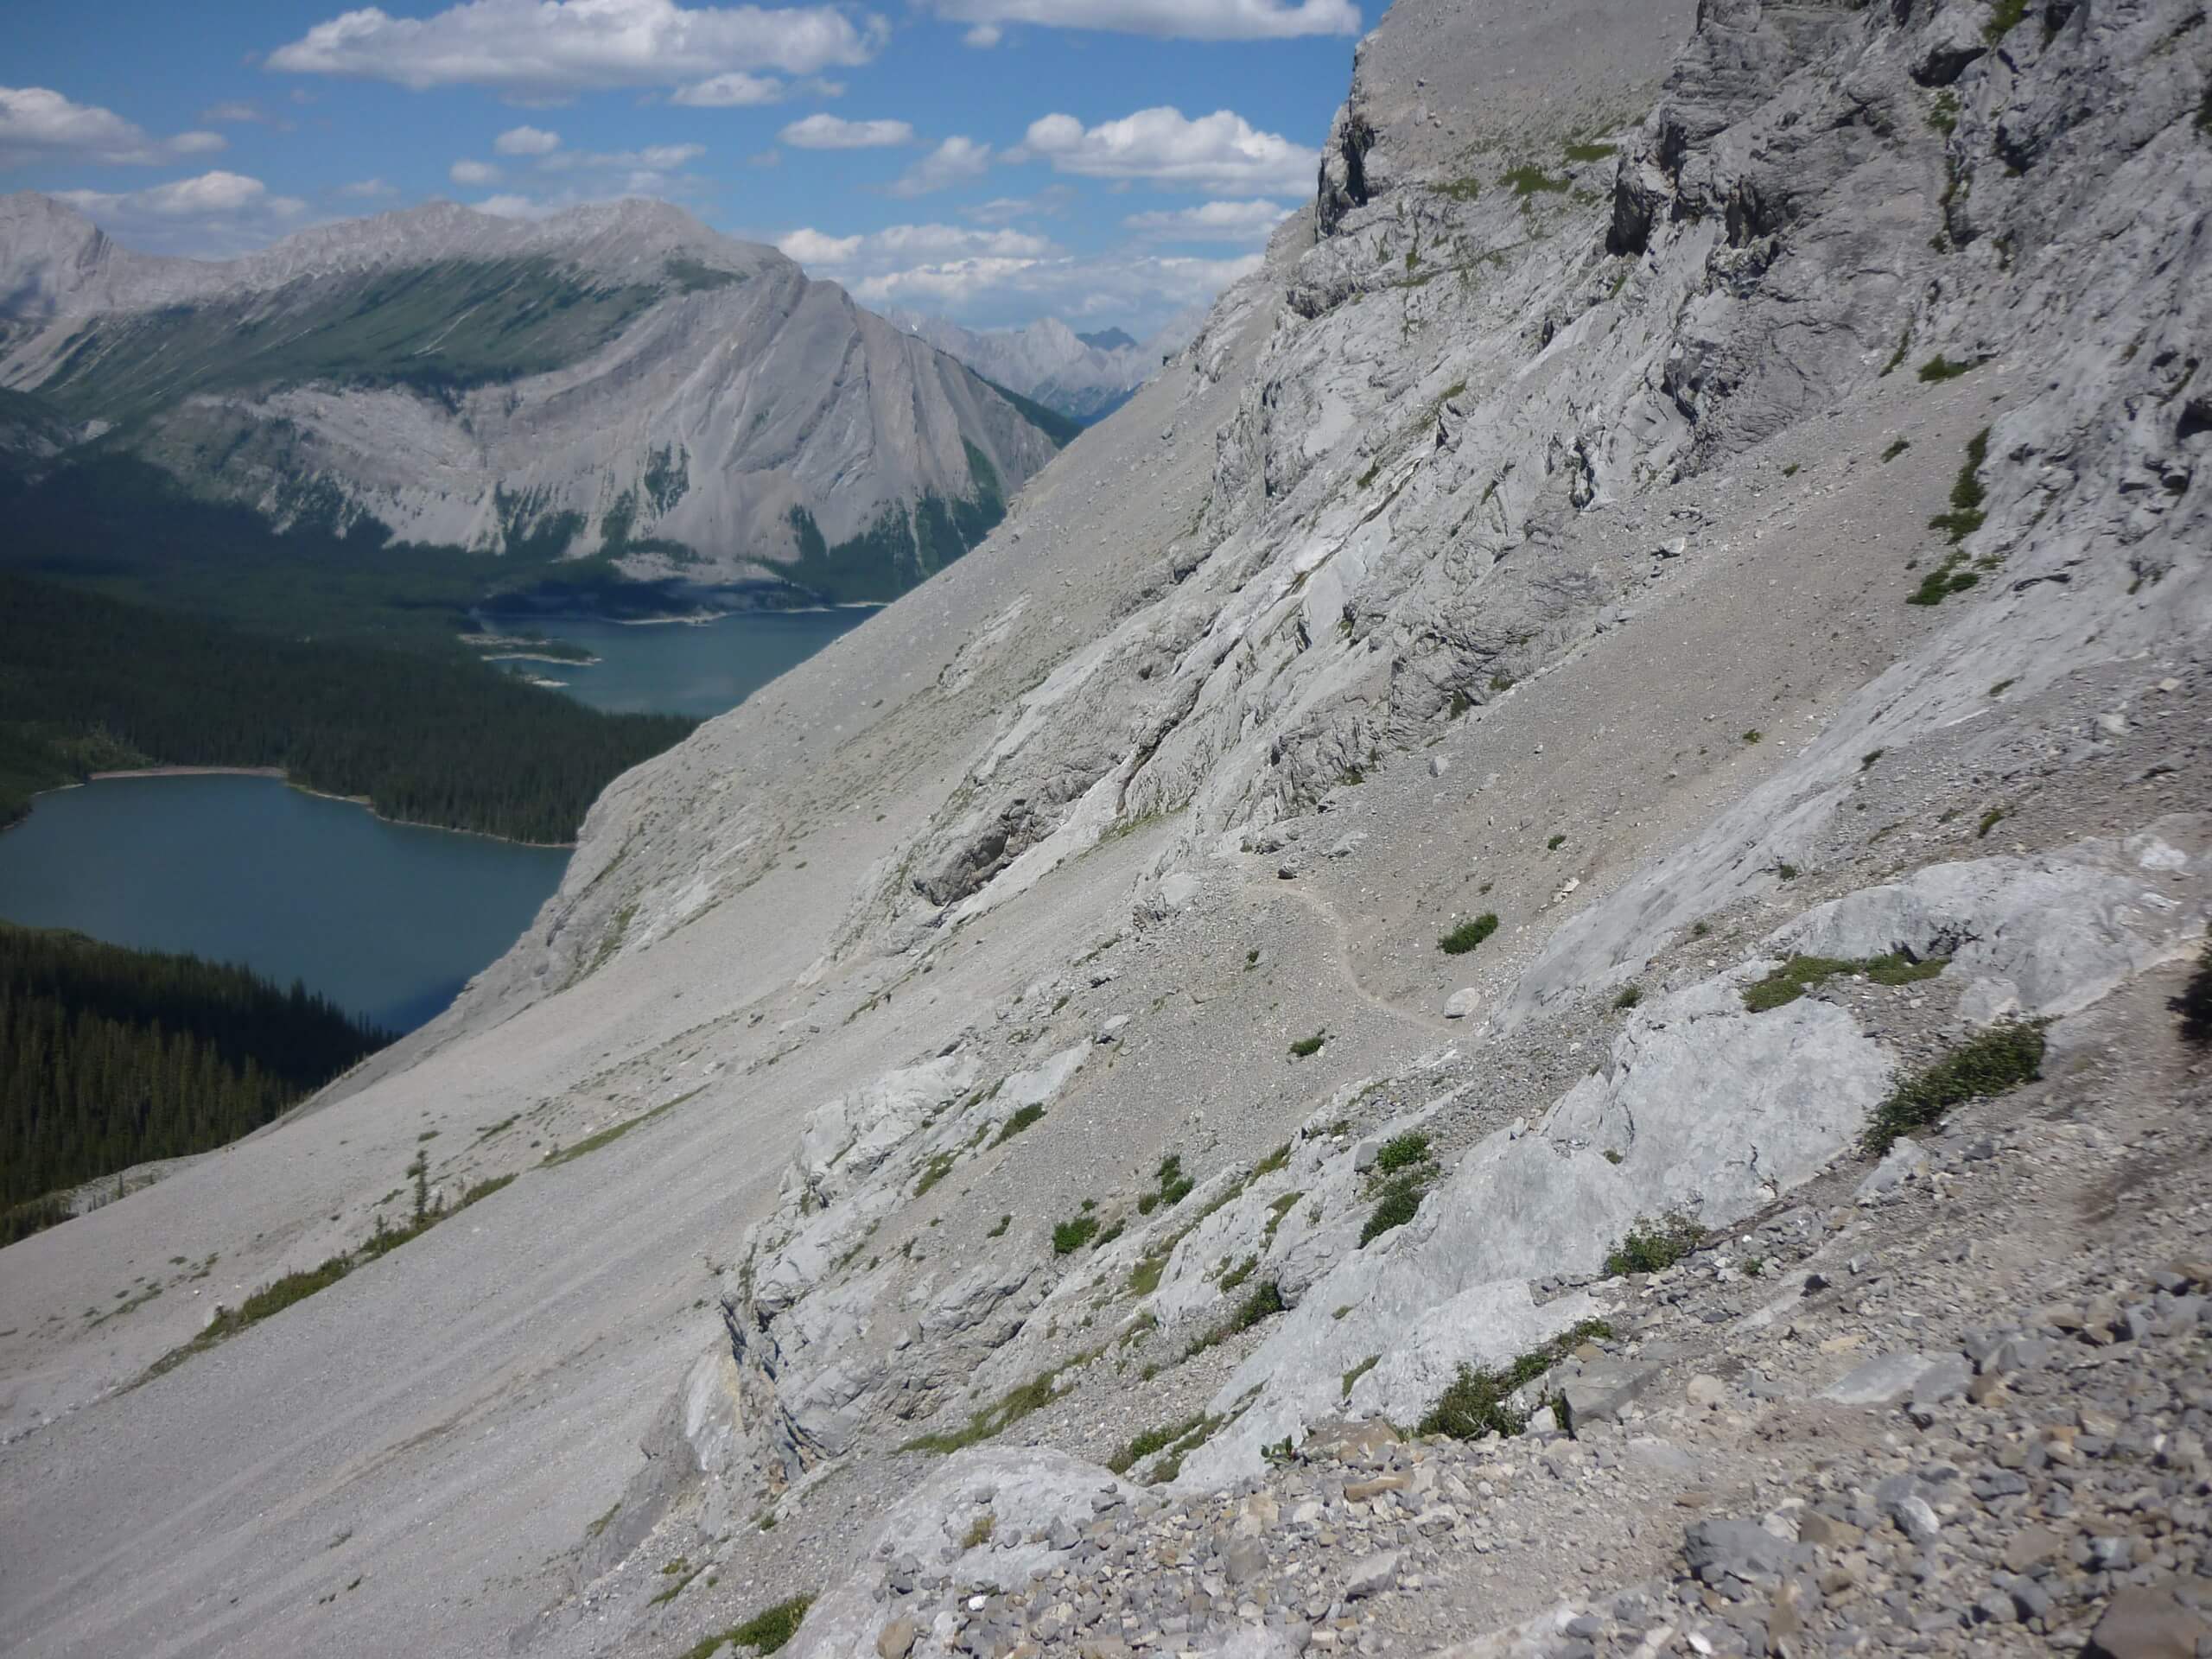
(89, 683)
(111, 1057)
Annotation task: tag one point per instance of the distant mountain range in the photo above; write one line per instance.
(616, 380)
(1084, 376)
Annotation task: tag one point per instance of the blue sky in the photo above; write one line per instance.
(1111, 161)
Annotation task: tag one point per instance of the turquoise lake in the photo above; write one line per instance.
(699, 669)
(387, 920)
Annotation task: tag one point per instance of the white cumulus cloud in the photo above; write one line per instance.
(215, 213)
(473, 173)
(1218, 153)
(897, 244)
(1049, 203)
(956, 161)
(541, 48)
(526, 141)
(368, 190)
(39, 124)
(1192, 19)
(835, 132)
(735, 90)
(989, 277)
(1212, 221)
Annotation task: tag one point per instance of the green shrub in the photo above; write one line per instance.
(1895, 450)
(1585, 152)
(1967, 497)
(1475, 1406)
(1151, 1440)
(1940, 368)
(1174, 1184)
(1402, 1151)
(939, 1165)
(275, 1298)
(1358, 1371)
(1399, 1203)
(765, 1632)
(2004, 16)
(1465, 936)
(483, 1190)
(1476, 1403)
(1262, 1304)
(1305, 1047)
(1949, 577)
(1144, 1277)
(1651, 1246)
(999, 1231)
(1069, 1237)
(2194, 1002)
(1629, 996)
(1555, 843)
(1800, 974)
(1012, 1407)
(1028, 1116)
(1996, 1060)
(1527, 180)
(1990, 820)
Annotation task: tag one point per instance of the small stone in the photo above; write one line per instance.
(1916, 1519)
(1706, 1391)
(897, 1639)
(1371, 1575)
(1462, 1002)
(2032, 1547)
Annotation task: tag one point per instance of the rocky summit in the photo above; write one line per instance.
(1521, 970)
(615, 379)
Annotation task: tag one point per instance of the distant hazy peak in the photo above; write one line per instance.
(53, 258)
(1108, 340)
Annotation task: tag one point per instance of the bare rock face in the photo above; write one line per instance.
(616, 379)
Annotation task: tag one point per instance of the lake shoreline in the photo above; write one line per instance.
(284, 778)
(293, 884)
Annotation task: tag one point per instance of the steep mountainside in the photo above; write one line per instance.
(1084, 376)
(616, 379)
(1521, 972)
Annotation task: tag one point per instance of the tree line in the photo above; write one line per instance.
(111, 1056)
(88, 682)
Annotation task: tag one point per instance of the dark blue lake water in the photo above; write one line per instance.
(699, 669)
(387, 920)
